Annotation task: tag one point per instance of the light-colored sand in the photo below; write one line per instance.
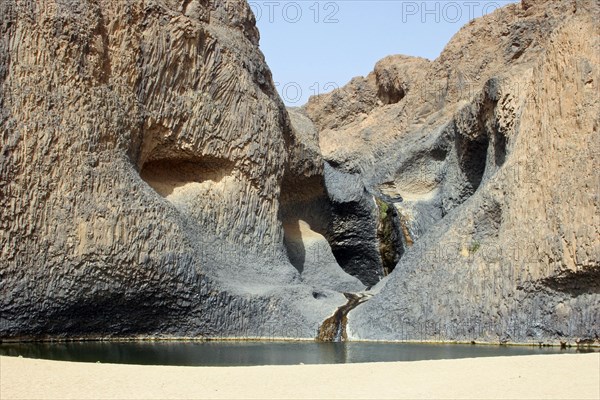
(521, 377)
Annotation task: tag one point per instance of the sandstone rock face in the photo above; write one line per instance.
(143, 150)
(490, 156)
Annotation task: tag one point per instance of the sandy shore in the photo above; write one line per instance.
(569, 376)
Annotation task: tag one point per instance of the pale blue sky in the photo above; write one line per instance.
(313, 45)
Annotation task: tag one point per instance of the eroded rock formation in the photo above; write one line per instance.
(152, 184)
(143, 150)
(490, 156)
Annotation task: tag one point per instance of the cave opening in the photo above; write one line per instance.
(172, 177)
(304, 212)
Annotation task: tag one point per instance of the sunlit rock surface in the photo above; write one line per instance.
(152, 184)
(490, 156)
(143, 150)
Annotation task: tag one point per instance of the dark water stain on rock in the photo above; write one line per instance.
(333, 329)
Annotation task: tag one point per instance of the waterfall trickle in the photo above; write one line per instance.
(333, 329)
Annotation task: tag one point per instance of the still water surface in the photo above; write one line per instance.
(258, 353)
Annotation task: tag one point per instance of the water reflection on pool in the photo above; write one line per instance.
(260, 353)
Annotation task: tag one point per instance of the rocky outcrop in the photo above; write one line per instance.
(488, 155)
(143, 149)
(152, 184)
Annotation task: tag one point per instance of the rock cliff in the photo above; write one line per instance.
(152, 183)
(490, 155)
(143, 152)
